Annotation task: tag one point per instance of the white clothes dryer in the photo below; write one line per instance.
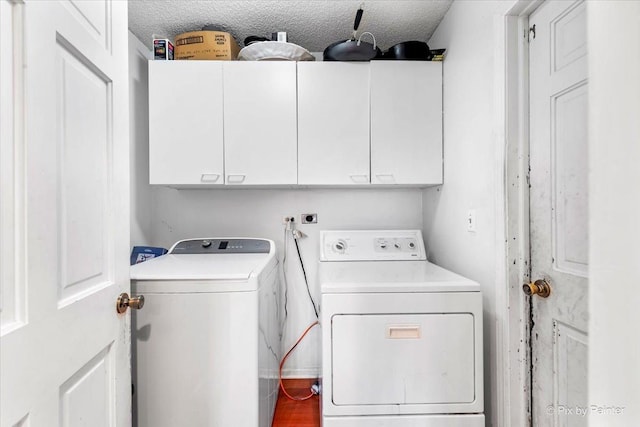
(206, 346)
(401, 337)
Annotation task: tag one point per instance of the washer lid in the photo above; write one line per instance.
(200, 267)
(390, 276)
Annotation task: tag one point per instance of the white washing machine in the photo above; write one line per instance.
(401, 337)
(206, 345)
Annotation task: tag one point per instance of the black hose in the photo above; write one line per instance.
(306, 282)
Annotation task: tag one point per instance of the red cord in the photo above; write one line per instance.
(285, 358)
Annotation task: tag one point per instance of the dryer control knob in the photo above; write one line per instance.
(340, 246)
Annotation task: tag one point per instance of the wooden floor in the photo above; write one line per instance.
(290, 413)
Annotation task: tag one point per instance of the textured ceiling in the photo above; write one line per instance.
(311, 24)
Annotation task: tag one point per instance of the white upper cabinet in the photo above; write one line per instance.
(260, 123)
(333, 123)
(282, 123)
(185, 123)
(406, 122)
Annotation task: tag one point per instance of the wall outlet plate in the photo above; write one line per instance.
(309, 218)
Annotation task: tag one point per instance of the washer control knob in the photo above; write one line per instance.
(383, 245)
(412, 245)
(396, 245)
(206, 243)
(340, 246)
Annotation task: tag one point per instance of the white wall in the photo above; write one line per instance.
(179, 214)
(473, 174)
(141, 192)
(614, 210)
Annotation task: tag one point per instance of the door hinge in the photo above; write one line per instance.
(532, 32)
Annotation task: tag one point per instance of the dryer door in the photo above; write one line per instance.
(403, 359)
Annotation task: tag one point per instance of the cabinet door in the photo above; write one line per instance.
(406, 122)
(333, 123)
(185, 122)
(260, 122)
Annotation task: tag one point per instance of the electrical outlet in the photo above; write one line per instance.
(309, 218)
(471, 220)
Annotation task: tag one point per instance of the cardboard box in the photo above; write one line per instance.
(206, 45)
(162, 49)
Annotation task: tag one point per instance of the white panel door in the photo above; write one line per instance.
(333, 123)
(11, 177)
(406, 122)
(64, 352)
(260, 133)
(185, 123)
(558, 212)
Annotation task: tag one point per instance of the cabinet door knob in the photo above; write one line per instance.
(386, 178)
(209, 177)
(235, 179)
(359, 179)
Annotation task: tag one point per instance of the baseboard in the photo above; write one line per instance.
(301, 373)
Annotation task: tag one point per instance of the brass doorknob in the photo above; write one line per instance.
(540, 287)
(124, 302)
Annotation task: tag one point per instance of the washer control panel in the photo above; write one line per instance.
(386, 245)
(221, 246)
(371, 245)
